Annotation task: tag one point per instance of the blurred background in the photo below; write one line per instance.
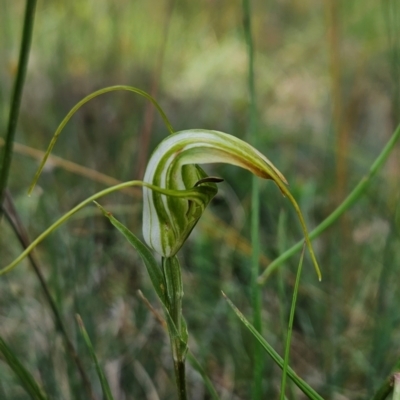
(327, 78)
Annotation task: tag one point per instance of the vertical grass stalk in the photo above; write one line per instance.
(255, 208)
(17, 95)
(290, 326)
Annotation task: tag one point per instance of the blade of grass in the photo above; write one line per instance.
(27, 380)
(17, 95)
(153, 269)
(103, 380)
(300, 383)
(354, 195)
(290, 326)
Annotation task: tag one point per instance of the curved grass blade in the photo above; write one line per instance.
(27, 380)
(78, 106)
(300, 383)
(107, 395)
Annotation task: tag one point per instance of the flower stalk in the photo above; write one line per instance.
(174, 293)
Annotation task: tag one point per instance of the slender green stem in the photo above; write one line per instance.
(17, 95)
(290, 326)
(173, 280)
(355, 194)
(79, 105)
(174, 290)
(255, 209)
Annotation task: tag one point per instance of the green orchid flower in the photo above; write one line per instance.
(167, 220)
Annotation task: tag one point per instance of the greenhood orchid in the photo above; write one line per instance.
(167, 220)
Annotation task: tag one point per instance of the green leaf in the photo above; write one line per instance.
(300, 383)
(103, 380)
(156, 276)
(27, 380)
(150, 262)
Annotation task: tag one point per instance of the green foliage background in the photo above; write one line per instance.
(320, 74)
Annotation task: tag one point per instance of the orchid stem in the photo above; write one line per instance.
(173, 282)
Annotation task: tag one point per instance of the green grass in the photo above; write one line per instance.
(345, 329)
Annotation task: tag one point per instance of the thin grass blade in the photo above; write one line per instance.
(103, 380)
(26, 379)
(300, 383)
(27, 34)
(290, 326)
